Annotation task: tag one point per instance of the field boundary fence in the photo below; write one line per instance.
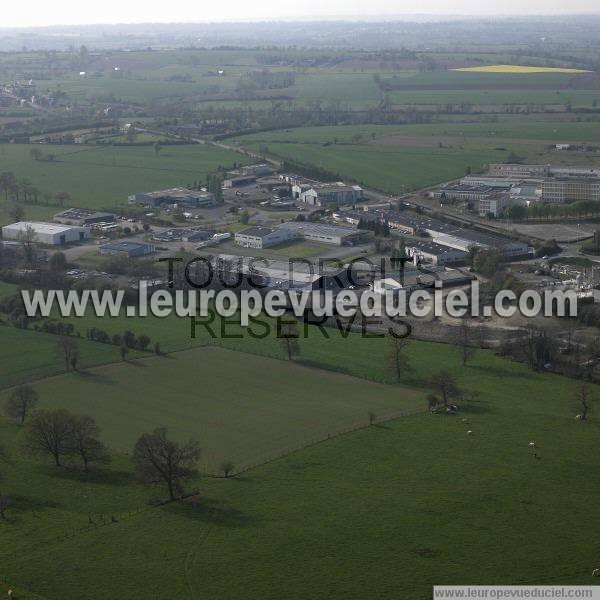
(371, 421)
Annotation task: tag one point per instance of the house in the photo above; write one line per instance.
(127, 249)
(52, 234)
(263, 237)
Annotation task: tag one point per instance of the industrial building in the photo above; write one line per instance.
(127, 249)
(260, 170)
(436, 254)
(83, 217)
(496, 204)
(263, 237)
(180, 234)
(465, 193)
(241, 181)
(446, 233)
(180, 196)
(323, 194)
(325, 234)
(518, 170)
(563, 190)
(52, 234)
(263, 273)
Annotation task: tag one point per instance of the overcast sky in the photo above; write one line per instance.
(75, 12)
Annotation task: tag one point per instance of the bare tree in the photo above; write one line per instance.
(288, 338)
(397, 358)
(584, 401)
(540, 347)
(84, 441)
(68, 347)
(21, 400)
(49, 432)
(464, 340)
(446, 387)
(158, 459)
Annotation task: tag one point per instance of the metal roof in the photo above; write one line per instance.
(40, 227)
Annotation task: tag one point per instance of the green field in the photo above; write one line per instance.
(393, 169)
(103, 177)
(417, 492)
(27, 355)
(240, 418)
(401, 158)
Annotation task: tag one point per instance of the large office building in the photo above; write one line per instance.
(563, 190)
(52, 234)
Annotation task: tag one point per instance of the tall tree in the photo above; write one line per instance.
(398, 359)
(83, 441)
(584, 401)
(3, 498)
(69, 348)
(288, 335)
(446, 387)
(20, 402)
(158, 459)
(49, 432)
(464, 340)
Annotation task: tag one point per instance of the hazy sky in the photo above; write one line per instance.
(73, 12)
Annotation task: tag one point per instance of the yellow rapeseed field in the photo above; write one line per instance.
(519, 69)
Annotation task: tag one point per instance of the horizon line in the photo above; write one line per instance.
(370, 18)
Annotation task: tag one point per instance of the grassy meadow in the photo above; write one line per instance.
(103, 176)
(418, 492)
(241, 418)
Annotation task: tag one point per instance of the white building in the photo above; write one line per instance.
(322, 194)
(52, 234)
(324, 233)
(436, 254)
(263, 237)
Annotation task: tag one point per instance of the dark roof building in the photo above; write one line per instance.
(128, 249)
(83, 217)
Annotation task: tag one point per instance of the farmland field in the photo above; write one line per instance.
(454, 492)
(519, 69)
(324, 472)
(103, 176)
(393, 169)
(194, 395)
(26, 355)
